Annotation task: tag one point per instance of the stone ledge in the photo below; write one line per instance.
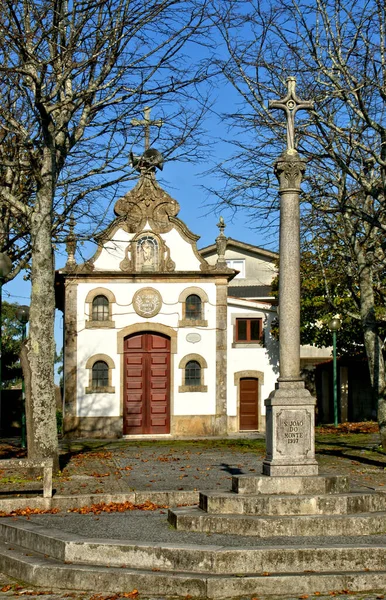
(245, 484)
(28, 463)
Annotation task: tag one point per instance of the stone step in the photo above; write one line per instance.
(203, 559)
(275, 505)
(195, 519)
(318, 484)
(44, 572)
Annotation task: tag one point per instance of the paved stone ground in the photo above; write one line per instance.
(121, 466)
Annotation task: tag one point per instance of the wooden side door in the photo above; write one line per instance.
(249, 403)
(146, 384)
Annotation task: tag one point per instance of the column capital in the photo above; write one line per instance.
(289, 169)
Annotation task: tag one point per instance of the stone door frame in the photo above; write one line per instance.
(147, 327)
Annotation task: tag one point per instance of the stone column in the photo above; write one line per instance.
(290, 408)
(70, 357)
(221, 419)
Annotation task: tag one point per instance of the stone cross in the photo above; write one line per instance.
(147, 122)
(291, 104)
(290, 408)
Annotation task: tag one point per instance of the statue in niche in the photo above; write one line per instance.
(147, 254)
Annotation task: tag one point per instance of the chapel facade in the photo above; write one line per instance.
(153, 343)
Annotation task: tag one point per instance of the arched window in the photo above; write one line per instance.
(100, 368)
(193, 300)
(100, 308)
(193, 373)
(192, 367)
(100, 375)
(193, 307)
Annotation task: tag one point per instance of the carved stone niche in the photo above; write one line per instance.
(147, 253)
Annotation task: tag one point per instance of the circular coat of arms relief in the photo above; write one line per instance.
(147, 302)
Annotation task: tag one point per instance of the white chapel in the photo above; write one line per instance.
(161, 339)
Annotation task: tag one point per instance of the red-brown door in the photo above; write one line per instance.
(146, 384)
(249, 418)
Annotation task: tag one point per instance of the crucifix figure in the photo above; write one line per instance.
(147, 122)
(291, 104)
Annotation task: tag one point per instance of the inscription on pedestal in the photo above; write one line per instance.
(293, 432)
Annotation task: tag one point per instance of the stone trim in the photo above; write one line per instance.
(108, 389)
(150, 327)
(100, 291)
(259, 375)
(70, 349)
(165, 263)
(184, 322)
(221, 421)
(200, 359)
(203, 364)
(95, 427)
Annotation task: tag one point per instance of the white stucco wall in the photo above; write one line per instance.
(104, 341)
(252, 357)
(113, 251)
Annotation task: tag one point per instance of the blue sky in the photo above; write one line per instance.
(185, 183)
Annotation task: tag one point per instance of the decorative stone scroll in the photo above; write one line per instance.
(147, 302)
(147, 202)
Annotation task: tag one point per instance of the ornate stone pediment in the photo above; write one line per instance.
(147, 201)
(147, 252)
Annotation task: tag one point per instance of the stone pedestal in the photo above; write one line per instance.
(290, 446)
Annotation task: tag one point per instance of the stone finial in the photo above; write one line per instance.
(71, 243)
(221, 242)
(291, 103)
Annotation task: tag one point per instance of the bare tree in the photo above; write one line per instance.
(72, 77)
(337, 52)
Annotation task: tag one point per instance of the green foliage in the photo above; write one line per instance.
(59, 421)
(11, 341)
(328, 288)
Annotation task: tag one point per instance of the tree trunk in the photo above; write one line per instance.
(27, 388)
(373, 344)
(41, 353)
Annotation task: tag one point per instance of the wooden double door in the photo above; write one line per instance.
(249, 404)
(146, 384)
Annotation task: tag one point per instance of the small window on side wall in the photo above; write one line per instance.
(100, 308)
(193, 307)
(100, 375)
(249, 330)
(193, 373)
(100, 368)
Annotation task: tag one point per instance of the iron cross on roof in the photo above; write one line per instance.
(291, 104)
(147, 123)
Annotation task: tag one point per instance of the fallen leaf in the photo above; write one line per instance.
(132, 594)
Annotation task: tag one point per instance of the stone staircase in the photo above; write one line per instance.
(306, 535)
